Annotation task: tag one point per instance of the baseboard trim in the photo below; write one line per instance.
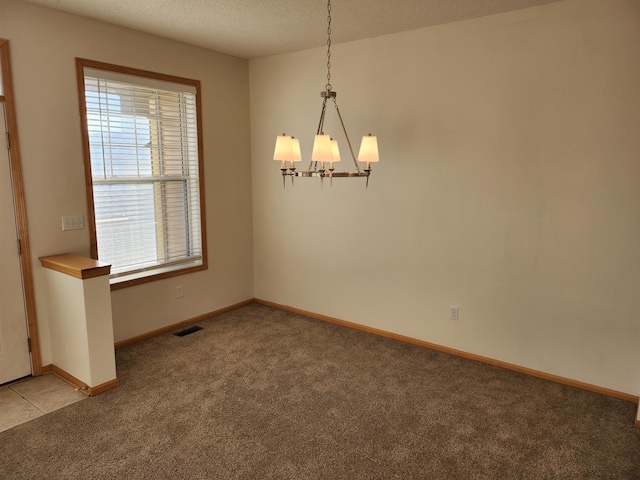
(103, 387)
(78, 384)
(459, 353)
(183, 323)
(66, 377)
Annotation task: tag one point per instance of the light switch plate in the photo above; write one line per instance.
(72, 222)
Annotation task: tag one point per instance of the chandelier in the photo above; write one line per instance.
(325, 151)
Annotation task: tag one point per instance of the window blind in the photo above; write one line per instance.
(143, 147)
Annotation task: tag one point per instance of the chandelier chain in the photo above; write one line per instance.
(328, 86)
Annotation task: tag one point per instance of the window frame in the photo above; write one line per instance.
(124, 281)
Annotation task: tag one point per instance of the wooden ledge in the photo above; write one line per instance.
(76, 266)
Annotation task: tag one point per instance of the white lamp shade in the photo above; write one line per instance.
(369, 149)
(284, 148)
(295, 150)
(322, 151)
(335, 151)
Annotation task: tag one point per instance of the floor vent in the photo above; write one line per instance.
(187, 331)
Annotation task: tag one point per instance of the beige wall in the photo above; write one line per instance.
(43, 46)
(509, 185)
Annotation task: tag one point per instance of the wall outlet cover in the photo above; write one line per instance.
(72, 222)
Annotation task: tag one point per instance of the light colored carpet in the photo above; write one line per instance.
(261, 393)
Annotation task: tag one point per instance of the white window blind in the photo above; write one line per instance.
(143, 147)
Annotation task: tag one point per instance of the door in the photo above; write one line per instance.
(15, 361)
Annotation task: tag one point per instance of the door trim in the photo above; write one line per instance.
(20, 207)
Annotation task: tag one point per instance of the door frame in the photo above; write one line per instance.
(20, 209)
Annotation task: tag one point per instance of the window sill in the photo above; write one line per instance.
(138, 278)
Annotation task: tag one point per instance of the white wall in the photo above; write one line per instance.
(43, 46)
(509, 185)
(80, 320)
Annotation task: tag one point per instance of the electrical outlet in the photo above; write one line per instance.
(453, 312)
(179, 291)
(72, 222)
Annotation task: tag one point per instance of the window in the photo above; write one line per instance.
(142, 146)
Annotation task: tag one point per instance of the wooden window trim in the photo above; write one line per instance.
(81, 63)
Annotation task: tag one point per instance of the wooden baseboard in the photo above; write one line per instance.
(184, 323)
(78, 384)
(460, 353)
(103, 387)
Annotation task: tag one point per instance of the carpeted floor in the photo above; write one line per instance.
(260, 393)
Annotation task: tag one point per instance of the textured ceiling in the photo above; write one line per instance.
(257, 28)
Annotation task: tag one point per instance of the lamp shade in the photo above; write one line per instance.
(335, 151)
(369, 149)
(284, 148)
(322, 151)
(296, 155)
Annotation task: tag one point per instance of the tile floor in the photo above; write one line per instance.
(33, 397)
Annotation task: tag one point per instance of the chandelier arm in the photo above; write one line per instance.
(344, 129)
